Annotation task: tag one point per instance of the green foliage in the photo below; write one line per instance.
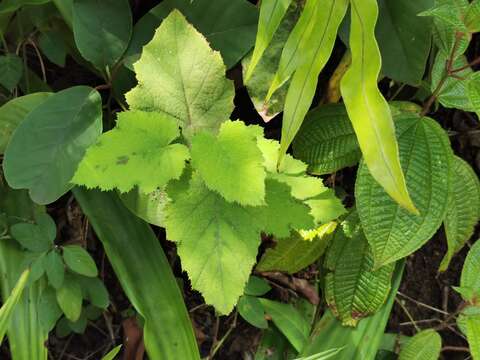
(200, 102)
(425, 345)
(425, 155)
(149, 207)
(111, 354)
(52, 45)
(251, 309)
(37, 237)
(45, 150)
(469, 324)
(69, 298)
(123, 157)
(79, 261)
(11, 69)
(463, 210)
(102, 31)
(470, 281)
(353, 288)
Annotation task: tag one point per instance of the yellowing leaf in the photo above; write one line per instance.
(367, 109)
(179, 74)
(138, 151)
(233, 155)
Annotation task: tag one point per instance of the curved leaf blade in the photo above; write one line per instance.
(471, 268)
(366, 107)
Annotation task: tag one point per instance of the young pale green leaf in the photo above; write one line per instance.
(471, 268)
(426, 156)
(179, 74)
(55, 269)
(11, 69)
(264, 72)
(326, 141)
(463, 210)
(69, 298)
(8, 306)
(251, 310)
(230, 156)
(256, 286)
(47, 147)
(36, 237)
(289, 321)
(296, 252)
(271, 15)
(112, 353)
(366, 107)
(102, 31)
(353, 288)
(149, 207)
(132, 248)
(79, 260)
(304, 82)
(219, 240)
(137, 152)
(425, 345)
(232, 33)
(469, 323)
(13, 112)
(404, 39)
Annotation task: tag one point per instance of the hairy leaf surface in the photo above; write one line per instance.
(47, 147)
(366, 107)
(353, 288)
(326, 141)
(425, 345)
(233, 155)
(137, 152)
(463, 211)
(218, 240)
(179, 74)
(425, 154)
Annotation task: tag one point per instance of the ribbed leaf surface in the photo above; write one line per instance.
(425, 345)
(425, 155)
(471, 268)
(353, 288)
(326, 141)
(463, 209)
(469, 324)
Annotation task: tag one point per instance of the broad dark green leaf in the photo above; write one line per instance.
(256, 286)
(11, 69)
(425, 155)
(46, 148)
(404, 39)
(52, 45)
(48, 310)
(271, 15)
(13, 112)
(144, 273)
(232, 33)
(69, 298)
(37, 237)
(326, 141)
(79, 260)
(251, 310)
(305, 79)
(366, 107)
(463, 211)
(426, 345)
(102, 31)
(55, 269)
(94, 291)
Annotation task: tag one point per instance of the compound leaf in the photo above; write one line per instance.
(426, 345)
(179, 74)
(353, 288)
(137, 152)
(366, 107)
(47, 146)
(37, 237)
(221, 161)
(79, 260)
(463, 210)
(425, 155)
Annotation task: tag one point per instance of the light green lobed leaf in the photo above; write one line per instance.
(271, 15)
(231, 163)
(425, 345)
(366, 107)
(218, 241)
(298, 251)
(137, 152)
(304, 82)
(47, 146)
(13, 112)
(326, 141)
(353, 288)
(463, 210)
(179, 74)
(425, 154)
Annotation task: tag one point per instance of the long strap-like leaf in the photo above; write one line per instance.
(144, 273)
(367, 109)
(304, 82)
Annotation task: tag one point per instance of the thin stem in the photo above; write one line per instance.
(422, 304)
(456, 348)
(471, 64)
(40, 59)
(399, 302)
